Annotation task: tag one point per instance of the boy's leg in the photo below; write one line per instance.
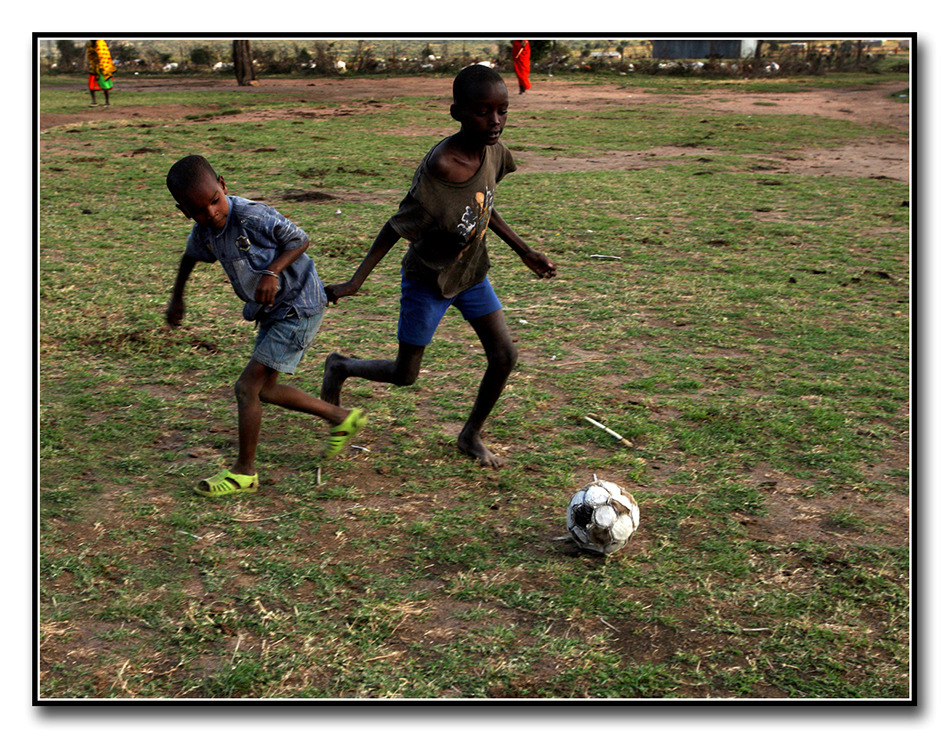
(502, 354)
(402, 371)
(259, 384)
(420, 311)
(247, 391)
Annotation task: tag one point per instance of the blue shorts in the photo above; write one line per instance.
(421, 309)
(281, 344)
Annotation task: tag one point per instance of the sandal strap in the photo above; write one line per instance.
(340, 435)
(225, 481)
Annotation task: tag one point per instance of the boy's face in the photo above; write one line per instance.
(484, 114)
(206, 202)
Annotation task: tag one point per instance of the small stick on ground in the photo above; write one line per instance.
(609, 431)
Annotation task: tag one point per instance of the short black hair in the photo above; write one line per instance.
(474, 77)
(187, 171)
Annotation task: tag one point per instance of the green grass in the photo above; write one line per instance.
(646, 126)
(752, 341)
(798, 83)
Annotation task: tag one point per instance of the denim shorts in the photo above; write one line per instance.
(421, 309)
(281, 344)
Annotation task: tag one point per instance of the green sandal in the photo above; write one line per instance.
(341, 435)
(226, 482)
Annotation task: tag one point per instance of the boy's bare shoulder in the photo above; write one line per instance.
(441, 161)
(448, 163)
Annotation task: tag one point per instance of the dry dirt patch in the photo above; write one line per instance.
(888, 158)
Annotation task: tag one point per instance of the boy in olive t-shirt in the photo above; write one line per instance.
(445, 217)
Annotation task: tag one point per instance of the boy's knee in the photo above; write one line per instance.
(407, 365)
(254, 383)
(405, 376)
(504, 357)
(245, 391)
(240, 390)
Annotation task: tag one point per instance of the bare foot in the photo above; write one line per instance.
(473, 446)
(333, 378)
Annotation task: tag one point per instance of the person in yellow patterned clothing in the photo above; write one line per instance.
(101, 69)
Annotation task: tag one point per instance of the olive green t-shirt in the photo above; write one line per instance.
(463, 208)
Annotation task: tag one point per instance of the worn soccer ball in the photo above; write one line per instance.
(602, 517)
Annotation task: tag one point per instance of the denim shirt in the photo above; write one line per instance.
(249, 242)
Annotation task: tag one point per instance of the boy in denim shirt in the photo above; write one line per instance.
(262, 253)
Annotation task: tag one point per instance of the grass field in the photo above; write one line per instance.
(751, 339)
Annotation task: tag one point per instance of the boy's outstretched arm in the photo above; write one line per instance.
(384, 241)
(535, 260)
(175, 310)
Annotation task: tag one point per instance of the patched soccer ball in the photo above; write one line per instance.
(602, 517)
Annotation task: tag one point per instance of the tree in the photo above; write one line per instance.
(70, 56)
(243, 63)
(541, 49)
(201, 56)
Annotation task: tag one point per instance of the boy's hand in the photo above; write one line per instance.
(266, 290)
(339, 290)
(539, 264)
(175, 311)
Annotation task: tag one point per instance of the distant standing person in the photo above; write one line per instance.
(521, 56)
(101, 69)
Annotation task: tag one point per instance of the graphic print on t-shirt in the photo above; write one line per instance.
(475, 220)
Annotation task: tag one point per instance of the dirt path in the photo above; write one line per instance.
(888, 156)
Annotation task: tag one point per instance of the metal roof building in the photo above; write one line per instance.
(703, 48)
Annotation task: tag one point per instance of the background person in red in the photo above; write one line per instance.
(521, 56)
